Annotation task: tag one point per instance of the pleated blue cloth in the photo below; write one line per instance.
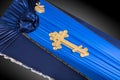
(19, 18)
(104, 59)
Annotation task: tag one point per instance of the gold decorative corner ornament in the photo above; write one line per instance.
(58, 39)
(39, 8)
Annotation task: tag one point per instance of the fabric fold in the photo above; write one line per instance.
(19, 18)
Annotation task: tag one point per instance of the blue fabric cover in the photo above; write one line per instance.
(37, 58)
(19, 18)
(102, 34)
(104, 59)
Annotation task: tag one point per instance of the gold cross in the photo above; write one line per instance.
(39, 8)
(58, 39)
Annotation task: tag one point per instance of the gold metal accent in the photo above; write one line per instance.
(58, 39)
(39, 8)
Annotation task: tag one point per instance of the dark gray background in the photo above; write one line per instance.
(102, 15)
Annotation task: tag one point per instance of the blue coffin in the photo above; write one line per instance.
(103, 61)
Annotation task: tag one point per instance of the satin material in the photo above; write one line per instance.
(102, 34)
(19, 18)
(23, 50)
(27, 23)
(104, 59)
